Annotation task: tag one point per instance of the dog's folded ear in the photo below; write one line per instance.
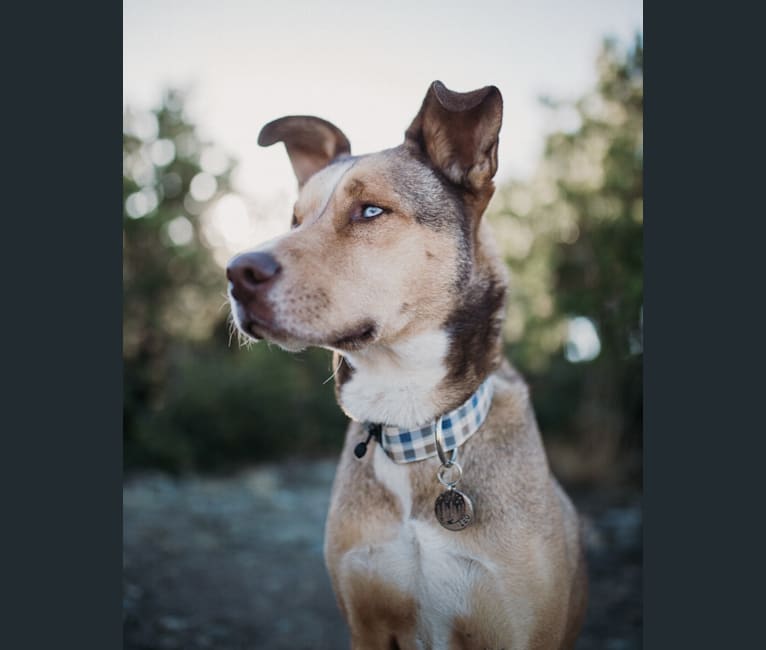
(311, 142)
(458, 133)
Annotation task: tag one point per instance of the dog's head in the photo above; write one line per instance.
(384, 245)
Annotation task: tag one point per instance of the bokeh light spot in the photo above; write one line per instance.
(582, 343)
(141, 203)
(141, 169)
(203, 186)
(180, 231)
(142, 125)
(163, 152)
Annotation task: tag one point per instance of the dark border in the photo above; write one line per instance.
(61, 326)
(703, 277)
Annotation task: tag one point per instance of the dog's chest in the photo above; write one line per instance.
(418, 561)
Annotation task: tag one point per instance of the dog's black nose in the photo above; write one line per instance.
(250, 272)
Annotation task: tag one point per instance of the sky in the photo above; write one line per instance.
(364, 66)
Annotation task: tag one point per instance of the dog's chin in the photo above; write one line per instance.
(260, 331)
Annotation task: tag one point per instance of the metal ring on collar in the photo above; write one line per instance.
(439, 438)
(446, 468)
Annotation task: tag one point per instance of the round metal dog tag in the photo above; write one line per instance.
(454, 510)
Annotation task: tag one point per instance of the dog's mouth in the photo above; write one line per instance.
(262, 327)
(255, 328)
(357, 337)
(255, 325)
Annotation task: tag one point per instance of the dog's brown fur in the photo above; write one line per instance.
(412, 303)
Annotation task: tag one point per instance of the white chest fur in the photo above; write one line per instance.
(396, 384)
(422, 560)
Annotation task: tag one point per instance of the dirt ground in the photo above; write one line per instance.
(235, 563)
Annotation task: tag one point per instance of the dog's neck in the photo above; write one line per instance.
(414, 381)
(395, 384)
(417, 379)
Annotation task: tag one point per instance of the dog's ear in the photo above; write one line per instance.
(311, 142)
(458, 133)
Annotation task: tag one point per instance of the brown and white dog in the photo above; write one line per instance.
(390, 265)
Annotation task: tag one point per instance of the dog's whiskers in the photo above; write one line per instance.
(335, 370)
(232, 328)
(243, 340)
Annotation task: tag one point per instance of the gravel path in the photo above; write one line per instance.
(235, 563)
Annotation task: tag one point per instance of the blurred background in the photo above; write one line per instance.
(229, 451)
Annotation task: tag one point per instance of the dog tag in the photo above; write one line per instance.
(454, 509)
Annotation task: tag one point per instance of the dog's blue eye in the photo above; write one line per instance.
(371, 211)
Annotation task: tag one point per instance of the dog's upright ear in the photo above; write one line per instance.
(311, 142)
(458, 134)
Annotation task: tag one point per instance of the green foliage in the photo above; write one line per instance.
(168, 273)
(572, 237)
(257, 404)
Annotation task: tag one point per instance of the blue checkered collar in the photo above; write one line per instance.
(409, 445)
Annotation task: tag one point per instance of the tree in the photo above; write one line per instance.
(169, 178)
(572, 236)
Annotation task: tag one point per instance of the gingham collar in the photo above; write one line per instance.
(409, 445)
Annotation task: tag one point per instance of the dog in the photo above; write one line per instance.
(446, 528)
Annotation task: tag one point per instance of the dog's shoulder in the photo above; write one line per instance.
(508, 374)
(511, 413)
